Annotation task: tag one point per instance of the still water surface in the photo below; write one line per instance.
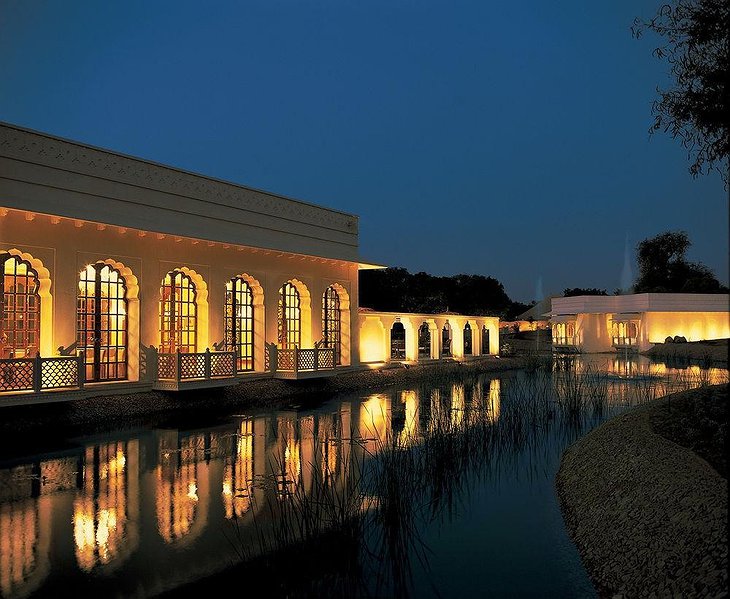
(136, 513)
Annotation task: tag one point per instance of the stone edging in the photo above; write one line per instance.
(648, 516)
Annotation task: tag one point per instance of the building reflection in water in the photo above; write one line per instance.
(238, 475)
(287, 460)
(494, 399)
(101, 510)
(178, 480)
(458, 404)
(19, 522)
(374, 422)
(409, 434)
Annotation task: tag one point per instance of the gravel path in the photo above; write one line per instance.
(649, 517)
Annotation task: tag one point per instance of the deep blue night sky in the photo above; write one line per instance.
(507, 139)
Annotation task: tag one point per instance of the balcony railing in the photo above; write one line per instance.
(41, 374)
(624, 341)
(195, 366)
(296, 360)
(564, 341)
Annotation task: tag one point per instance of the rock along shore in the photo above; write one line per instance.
(648, 516)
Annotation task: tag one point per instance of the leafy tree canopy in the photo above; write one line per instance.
(397, 290)
(581, 291)
(663, 267)
(695, 44)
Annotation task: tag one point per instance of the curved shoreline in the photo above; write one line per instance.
(649, 517)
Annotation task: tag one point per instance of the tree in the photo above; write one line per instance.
(581, 291)
(663, 267)
(397, 290)
(695, 44)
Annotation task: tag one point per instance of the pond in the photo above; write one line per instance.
(444, 489)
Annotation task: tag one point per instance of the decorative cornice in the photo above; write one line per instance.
(42, 149)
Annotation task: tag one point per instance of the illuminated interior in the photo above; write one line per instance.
(178, 314)
(20, 293)
(102, 322)
(289, 317)
(239, 322)
(332, 322)
(564, 333)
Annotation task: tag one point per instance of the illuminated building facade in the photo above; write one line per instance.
(404, 337)
(120, 275)
(593, 324)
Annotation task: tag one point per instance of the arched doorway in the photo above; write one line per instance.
(446, 340)
(467, 340)
(239, 322)
(332, 322)
(424, 341)
(485, 340)
(178, 313)
(102, 323)
(398, 341)
(290, 317)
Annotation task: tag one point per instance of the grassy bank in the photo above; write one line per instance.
(648, 514)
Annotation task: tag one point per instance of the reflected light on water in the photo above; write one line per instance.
(100, 512)
(18, 540)
(238, 473)
(374, 422)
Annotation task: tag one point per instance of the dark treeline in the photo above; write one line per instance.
(397, 290)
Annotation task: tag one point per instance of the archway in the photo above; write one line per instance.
(398, 341)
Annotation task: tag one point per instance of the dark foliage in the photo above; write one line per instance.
(663, 267)
(581, 291)
(695, 44)
(397, 290)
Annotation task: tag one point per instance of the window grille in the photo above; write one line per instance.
(178, 314)
(101, 322)
(239, 322)
(21, 301)
(332, 322)
(289, 315)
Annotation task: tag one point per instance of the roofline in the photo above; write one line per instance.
(172, 168)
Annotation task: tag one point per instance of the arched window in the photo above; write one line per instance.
(178, 314)
(633, 330)
(446, 340)
(467, 340)
(332, 322)
(239, 320)
(424, 341)
(21, 303)
(398, 341)
(101, 322)
(290, 317)
(485, 340)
